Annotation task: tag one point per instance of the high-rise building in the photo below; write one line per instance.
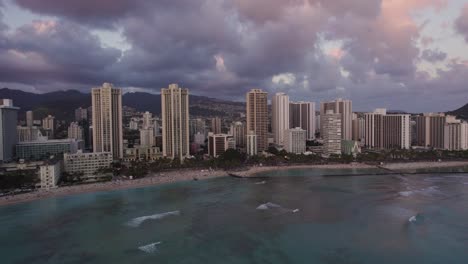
(81, 114)
(358, 128)
(8, 137)
(107, 120)
(28, 133)
(75, 131)
(257, 117)
(302, 114)
(280, 117)
(29, 118)
(345, 108)
(216, 125)
(175, 122)
(147, 120)
(430, 129)
(384, 131)
(239, 133)
(49, 123)
(456, 136)
(197, 125)
(252, 144)
(219, 143)
(331, 132)
(147, 138)
(295, 140)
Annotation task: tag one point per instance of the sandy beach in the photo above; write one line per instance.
(191, 174)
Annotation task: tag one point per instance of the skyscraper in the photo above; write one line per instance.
(384, 131)
(147, 120)
(75, 131)
(239, 133)
(331, 127)
(49, 123)
(257, 117)
(216, 125)
(430, 129)
(280, 117)
(29, 118)
(302, 114)
(175, 122)
(8, 137)
(345, 109)
(107, 120)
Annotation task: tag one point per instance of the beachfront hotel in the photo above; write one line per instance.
(257, 117)
(107, 120)
(345, 109)
(331, 127)
(383, 131)
(280, 117)
(295, 140)
(175, 122)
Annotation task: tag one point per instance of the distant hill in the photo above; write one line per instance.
(461, 112)
(62, 104)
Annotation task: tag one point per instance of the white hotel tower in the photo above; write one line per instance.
(280, 117)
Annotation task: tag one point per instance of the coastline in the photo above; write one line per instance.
(191, 174)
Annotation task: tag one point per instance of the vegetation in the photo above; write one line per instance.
(21, 179)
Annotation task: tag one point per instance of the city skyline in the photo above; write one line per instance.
(381, 55)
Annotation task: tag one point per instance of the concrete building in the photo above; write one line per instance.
(48, 122)
(252, 144)
(107, 120)
(196, 126)
(81, 114)
(147, 120)
(29, 118)
(142, 153)
(219, 143)
(26, 133)
(75, 131)
(280, 117)
(147, 137)
(87, 163)
(384, 131)
(175, 122)
(345, 109)
(8, 136)
(239, 133)
(257, 117)
(456, 136)
(44, 148)
(50, 174)
(216, 125)
(302, 114)
(331, 132)
(430, 129)
(358, 128)
(295, 140)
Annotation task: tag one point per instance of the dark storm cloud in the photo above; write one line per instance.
(222, 48)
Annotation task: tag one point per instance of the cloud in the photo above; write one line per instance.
(230, 46)
(461, 24)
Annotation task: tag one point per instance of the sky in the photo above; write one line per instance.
(407, 55)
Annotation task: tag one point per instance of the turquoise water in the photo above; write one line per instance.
(310, 218)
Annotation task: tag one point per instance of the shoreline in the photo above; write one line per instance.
(182, 175)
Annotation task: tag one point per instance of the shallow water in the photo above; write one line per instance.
(351, 219)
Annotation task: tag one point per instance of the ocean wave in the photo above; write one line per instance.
(269, 205)
(135, 222)
(429, 191)
(150, 248)
(262, 182)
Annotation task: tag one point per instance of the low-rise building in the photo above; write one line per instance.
(142, 153)
(219, 143)
(43, 148)
(87, 163)
(295, 140)
(50, 174)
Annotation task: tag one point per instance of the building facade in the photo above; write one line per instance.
(384, 131)
(295, 140)
(456, 136)
(302, 114)
(87, 163)
(331, 132)
(43, 149)
(251, 144)
(147, 137)
(50, 174)
(75, 131)
(239, 134)
(8, 136)
(216, 125)
(175, 122)
(257, 117)
(345, 109)
(107, 120)
(429, 130)
(219, 143)
(280, 117)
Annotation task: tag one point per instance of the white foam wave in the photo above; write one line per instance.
(139, 220)
(267, 206)
(429, 191)
(412, 219)
(259, 183)
(150, 248)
